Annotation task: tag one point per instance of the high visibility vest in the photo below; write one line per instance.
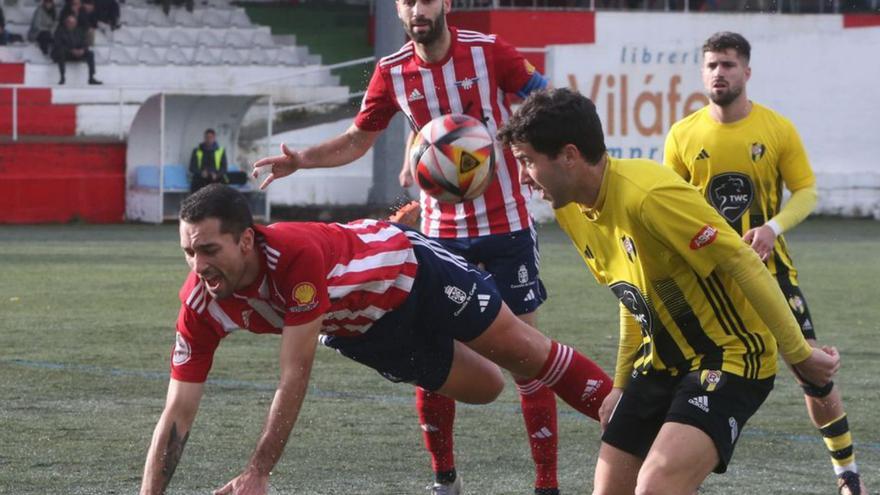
(218, 154)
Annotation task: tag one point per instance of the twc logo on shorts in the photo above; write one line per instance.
(701, 402)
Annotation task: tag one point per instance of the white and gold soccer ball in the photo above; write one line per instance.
(453, 158)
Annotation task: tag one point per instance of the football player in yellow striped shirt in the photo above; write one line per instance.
(701, 319)
(739, 154)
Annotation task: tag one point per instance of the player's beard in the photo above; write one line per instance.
(727, 97)
(437, 26)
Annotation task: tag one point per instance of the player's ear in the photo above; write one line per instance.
(246, 241)
(570, 154)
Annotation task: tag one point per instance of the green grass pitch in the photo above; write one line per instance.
(86, 327)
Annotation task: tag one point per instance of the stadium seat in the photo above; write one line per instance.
(262, 38)
(209, 37)
(148, 56)
(180, 17)
(154, 36)
(239, 38)
(122, 56)
(130, 36)
(155, 17)
(239, 19)
(181, 37)
(215, 19)
(176, 55)
(175, 179)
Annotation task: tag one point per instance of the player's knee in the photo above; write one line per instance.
(816, 391)
(489, 390)
(653, 480)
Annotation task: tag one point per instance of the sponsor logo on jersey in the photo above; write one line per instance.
(704, 237)
(466, 83)
(415, 95)
(629, 246)
(758, 151)
(731, 194)
(701, 402)
(182, 350)
(522, 274)
(711, 380)
(633, 300)
(304, 297)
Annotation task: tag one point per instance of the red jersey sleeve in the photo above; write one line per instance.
(515, 74)
(302, 274)
(194, 346)
(378, 105)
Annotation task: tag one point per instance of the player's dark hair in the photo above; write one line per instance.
(726, 40)
(550, 119)
(210, 131)
(220, 202)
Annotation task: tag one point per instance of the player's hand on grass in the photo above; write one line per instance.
(608, 406)
(761, 239)
(249, 482)
(278, 166)
(820, 367)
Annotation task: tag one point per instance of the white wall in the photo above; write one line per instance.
(643, 73)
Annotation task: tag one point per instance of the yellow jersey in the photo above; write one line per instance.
(741, 168)
(656, 243)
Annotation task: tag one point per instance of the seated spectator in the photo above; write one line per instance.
(83, 16)
(43, 24)
(207, 164)
(5, 36)
(107, 12)
(71, 45)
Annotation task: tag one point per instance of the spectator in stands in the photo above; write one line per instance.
(166, 5)
(107, 12)
(207, 164)
(83, 17)
(43, 24)
(71, 45)
(5, 36)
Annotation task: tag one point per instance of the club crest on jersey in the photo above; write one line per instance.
(304, 297)
(758, 151)
(797, 304)
(633, 300)
(182, 350)
(466, 83)
(455, 294)
(704, 237)
(629, 246)
(712, 380)
(731, 194)
(522, 274)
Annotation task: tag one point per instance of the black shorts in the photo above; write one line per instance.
(798, 305)
(512, 259)
(719, 404)
(450, 300)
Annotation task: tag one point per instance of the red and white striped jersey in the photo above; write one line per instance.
(348, 274)
(475, 78)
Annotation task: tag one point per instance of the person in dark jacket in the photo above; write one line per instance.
(43, 24)
(71, 45)
(207, 164)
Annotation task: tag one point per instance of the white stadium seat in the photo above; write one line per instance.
(262, 38)
(239, 38)
(182, 37)
(120, 55)
(209, 37)
(240, 19)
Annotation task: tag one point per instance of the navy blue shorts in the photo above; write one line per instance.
(450, 300)
(513, 261)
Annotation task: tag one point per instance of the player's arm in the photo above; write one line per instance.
(340, 150)
(405, 177)
(672, 157)
(797, 175)
(298, 344)
(627, 349)
(815, 366)
(170, 435)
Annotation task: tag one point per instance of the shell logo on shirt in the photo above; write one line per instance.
(303, 296)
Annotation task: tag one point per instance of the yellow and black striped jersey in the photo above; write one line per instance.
(656, 243)
(741, 168)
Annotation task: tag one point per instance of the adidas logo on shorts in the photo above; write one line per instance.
(530, 296)
(484, 301)
(702, 402)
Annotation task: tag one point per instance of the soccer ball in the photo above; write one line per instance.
(453, 158)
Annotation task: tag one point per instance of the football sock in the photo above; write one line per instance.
(838, 440)
(539, 412)
(436, 418)
(445, 477)
(576, 379)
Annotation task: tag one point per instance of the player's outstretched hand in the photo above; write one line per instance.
(407, 214)
(820, 367)
(608, 406)
(247, 483)
(278, 166)
(761, 239)
(405, 177)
